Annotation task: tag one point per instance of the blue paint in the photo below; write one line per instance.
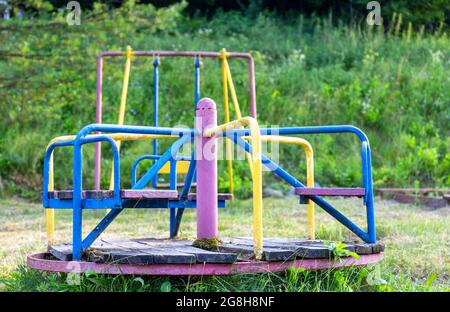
(370, 209)
(170, 153)
(77, 200)
(277, 170)
(197, 82)
(88, 203)
(305, 130)
(108, 203)
(48, 153)
(116, 164)
(184, 193)
(173, 174)
(191, 204)
(173, 186)
(95, 233)
(136, 163)
(151, 157)
(189, 177)
(111, 128)
(77, 203)
(366, 168)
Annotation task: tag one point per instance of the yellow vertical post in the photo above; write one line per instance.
(309, 154)
(232, 91)
(227, 120)
(229, 79)
(257, 191)
(123, 102)
(310, 183)
(256, 165)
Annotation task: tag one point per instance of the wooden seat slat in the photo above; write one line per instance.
(331, 191)
(125, 194)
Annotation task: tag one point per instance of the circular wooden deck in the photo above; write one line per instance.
(40, 261)
(151, 256)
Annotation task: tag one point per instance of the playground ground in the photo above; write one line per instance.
(417, 256)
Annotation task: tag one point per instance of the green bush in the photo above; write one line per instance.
(309, 71)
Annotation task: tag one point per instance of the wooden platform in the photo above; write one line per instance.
(125, 194)
(164, 185)
(331, 191)
(160, 251)
(130, 194)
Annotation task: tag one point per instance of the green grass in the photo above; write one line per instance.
(416, 257)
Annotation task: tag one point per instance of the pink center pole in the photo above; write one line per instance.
(98, 119)
(206, 157)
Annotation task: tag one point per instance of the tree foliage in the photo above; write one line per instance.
(310, 71)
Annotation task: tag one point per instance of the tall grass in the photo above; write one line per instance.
(415, 259)
(309, 71)
(361, 279)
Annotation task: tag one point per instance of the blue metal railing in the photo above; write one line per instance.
(185, 136)
(370, 235)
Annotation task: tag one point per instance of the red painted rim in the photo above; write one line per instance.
(38, 262)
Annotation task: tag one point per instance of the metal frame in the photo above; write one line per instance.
(185, 136)
(117, 204)
(78, 203)
(155, 109)
(370, 235)
(156, 55)
(177, 206)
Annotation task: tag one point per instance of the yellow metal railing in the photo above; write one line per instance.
(123, 102)
(309, 172)
(256, 165)
(254, 159)
(227, 83)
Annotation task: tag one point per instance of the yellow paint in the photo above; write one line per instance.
(50, 213)
(123, 102)
(116, 137)
(232, 90)
(228, 145)
(309, 172)
(256, 165)
(228, 82)
(182, 167)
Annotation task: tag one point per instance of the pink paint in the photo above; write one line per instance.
(98, 119)
(102, 55)
(206, 157)
(251, 79)
(220, 196)
(125, 194)
(331, 191)
(39, 262)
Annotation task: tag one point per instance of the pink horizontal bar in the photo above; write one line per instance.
(38, 262)
(331, 191)
(220, 196)
(177, 53)
(251, 75)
